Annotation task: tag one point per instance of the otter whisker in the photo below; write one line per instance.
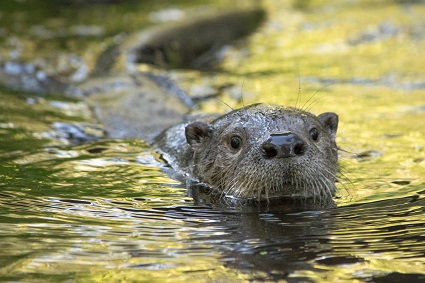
(308, 104)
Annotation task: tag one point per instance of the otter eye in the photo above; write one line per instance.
(235, 142)
(314, 134)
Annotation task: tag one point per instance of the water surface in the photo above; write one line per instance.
(106, 210)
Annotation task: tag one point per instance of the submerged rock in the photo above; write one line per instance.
(186, 44)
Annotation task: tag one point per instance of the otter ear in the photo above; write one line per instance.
(196, 132)
(330, 122)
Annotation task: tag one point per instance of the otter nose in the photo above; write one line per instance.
(283, 146)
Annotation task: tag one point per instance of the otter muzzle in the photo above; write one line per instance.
(283, 146)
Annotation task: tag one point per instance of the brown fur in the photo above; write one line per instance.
(228, 153)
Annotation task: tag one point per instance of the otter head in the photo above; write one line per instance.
(264, 151)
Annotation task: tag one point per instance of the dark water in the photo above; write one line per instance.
(106, 211)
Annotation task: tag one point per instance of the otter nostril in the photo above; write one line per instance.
(299, 148)
(284, 145)
(269, 151)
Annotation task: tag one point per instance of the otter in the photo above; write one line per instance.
(258, 151)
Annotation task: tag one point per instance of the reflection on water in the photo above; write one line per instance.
(102, 217)
(106, 210)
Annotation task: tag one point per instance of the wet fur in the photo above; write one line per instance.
(246, 173)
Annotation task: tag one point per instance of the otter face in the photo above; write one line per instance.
(266, 151)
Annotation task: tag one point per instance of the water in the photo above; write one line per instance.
(106, 210)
